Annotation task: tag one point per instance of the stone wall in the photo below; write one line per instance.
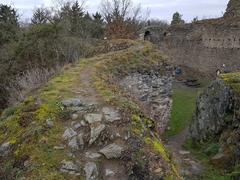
(205, 45)
(153, 91)
(233, 9)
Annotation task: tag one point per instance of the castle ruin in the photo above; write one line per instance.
(203, 45)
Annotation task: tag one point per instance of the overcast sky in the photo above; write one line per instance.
(162, 9)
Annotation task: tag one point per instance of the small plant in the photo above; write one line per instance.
(9, 112)
(212, 149)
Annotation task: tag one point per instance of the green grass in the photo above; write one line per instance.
(201, 152)
(184, 104)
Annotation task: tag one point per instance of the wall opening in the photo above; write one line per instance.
(147, 35)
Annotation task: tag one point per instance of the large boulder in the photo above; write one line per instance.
(217, 117)
(112, 151)
(212, 107)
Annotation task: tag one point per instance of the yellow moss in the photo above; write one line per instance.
(158, 146)
(233, 79)
(46, 111)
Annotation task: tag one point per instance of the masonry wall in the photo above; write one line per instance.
(204, 46)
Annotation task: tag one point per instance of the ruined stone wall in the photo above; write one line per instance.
(233, 9)
(153, 91)
(205, 45)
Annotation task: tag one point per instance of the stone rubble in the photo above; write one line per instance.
(112, 151)
(78, 140)
(73, 144)
(91, 171)
(72, 102)
(96, 130)
(69, 167)
(93, 118)
(111, 114)
(69, 133)
(154, 92)
(92, 155)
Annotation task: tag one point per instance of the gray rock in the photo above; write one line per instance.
(73, 102)
(68, 166)
(112, 151)
(109, 172)
(83, 123)
(96, 130)
(76, 109)
(92, 118)
(74, 116)
(69, 133)
(184, 152)
(80, 140)
(5, 148)
(73, 144)
(91, 171)
(77, 126)
(92, 155)
(61, 147)
(49, 123)
(111, 114)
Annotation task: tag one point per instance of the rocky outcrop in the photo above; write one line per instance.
(212, 107)
(217, 118)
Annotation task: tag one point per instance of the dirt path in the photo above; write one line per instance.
(86, 90)
(189, 166)
(101, 134)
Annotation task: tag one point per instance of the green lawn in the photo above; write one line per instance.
(184, 103)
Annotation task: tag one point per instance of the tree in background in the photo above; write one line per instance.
(55, 37)
(71, 16)
(41, 16)
(122, 17)
(177, 19)
(9, 24)
(195, 20)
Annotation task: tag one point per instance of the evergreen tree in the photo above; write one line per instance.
(177, 19)
(72, 16)
(9, 24)
(40, 16)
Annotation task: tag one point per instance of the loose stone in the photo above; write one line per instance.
(69, 133)
(93, 118)
(91, 171)
(112, 151)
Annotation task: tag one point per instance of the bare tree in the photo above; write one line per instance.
(122, 17)
(41, 16)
